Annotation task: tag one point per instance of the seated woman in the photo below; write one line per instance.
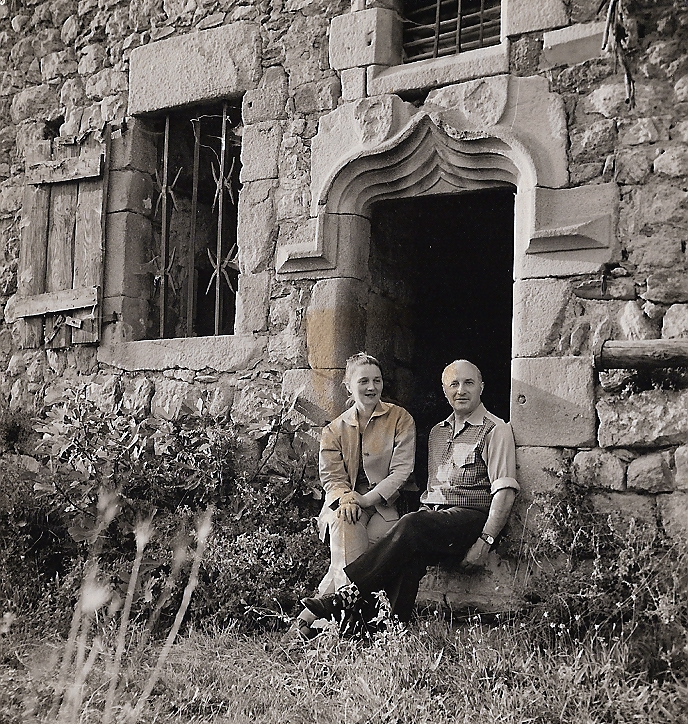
(366, 457)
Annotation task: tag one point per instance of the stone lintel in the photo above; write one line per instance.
(223, 353)
(493, 60)
(526, 16)
(349, 132)
(552, 402)
(521, 113)
(335, 322)
(368, 37)
(322, 396)
(572, 45)
(217, 63)
(537, 119)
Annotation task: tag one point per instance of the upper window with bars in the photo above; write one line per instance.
(435, 28)
(194, 263)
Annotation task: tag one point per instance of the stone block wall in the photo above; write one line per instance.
(620, 435)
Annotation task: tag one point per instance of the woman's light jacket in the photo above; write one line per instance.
(388, 446)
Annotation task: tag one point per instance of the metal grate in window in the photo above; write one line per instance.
(433, 28)
(194, 264)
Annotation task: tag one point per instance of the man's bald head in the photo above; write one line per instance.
(460, 365)
(463, 386)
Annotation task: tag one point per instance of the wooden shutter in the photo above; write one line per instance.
(61, 256)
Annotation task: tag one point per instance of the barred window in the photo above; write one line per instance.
(434, 28)
(193, 264)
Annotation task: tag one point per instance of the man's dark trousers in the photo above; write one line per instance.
(397, 562)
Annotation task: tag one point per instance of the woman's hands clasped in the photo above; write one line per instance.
(349, 511)
(350, 507)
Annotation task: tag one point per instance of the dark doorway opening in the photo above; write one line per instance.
(443, 266)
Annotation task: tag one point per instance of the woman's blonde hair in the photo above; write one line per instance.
(360, 358)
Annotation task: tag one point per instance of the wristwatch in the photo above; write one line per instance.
(487, 538)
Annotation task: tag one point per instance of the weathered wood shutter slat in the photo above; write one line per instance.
(88, 254)
(70, 168)
(61, 259)
(32, 255)
(50, 303)
(59, 271)
(88, 242)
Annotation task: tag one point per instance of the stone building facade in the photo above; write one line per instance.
(369, 203)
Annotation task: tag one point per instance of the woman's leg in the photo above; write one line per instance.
(347, 542)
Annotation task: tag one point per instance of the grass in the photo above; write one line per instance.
(429, 672)
(605, 641)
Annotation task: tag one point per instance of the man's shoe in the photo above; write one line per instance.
(328, 606)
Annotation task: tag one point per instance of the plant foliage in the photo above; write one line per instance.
(259, 478)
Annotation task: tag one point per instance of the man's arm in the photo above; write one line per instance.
(501, 464)
(500, 507)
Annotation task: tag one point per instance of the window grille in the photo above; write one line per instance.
(433, 28)
(194, 265)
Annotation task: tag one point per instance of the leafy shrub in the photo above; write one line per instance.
(35, 550)
(259, 478)
(612, 577)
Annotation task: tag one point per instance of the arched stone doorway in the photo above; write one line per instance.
(378, 149)
(424, 184)
(501, 134)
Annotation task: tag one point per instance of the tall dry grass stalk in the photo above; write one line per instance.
(142, 533)
(84, 648)
(107, 508)
(202, 534)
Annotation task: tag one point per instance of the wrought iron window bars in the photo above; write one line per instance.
(194, 265)
(446, 27)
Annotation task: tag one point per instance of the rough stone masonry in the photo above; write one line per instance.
(601, 216)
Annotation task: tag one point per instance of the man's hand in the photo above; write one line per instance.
(349, 511)
(476, 557)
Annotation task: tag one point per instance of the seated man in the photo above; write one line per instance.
(471, 489)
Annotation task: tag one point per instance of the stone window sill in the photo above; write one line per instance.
(493, 60)
(227, 353)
